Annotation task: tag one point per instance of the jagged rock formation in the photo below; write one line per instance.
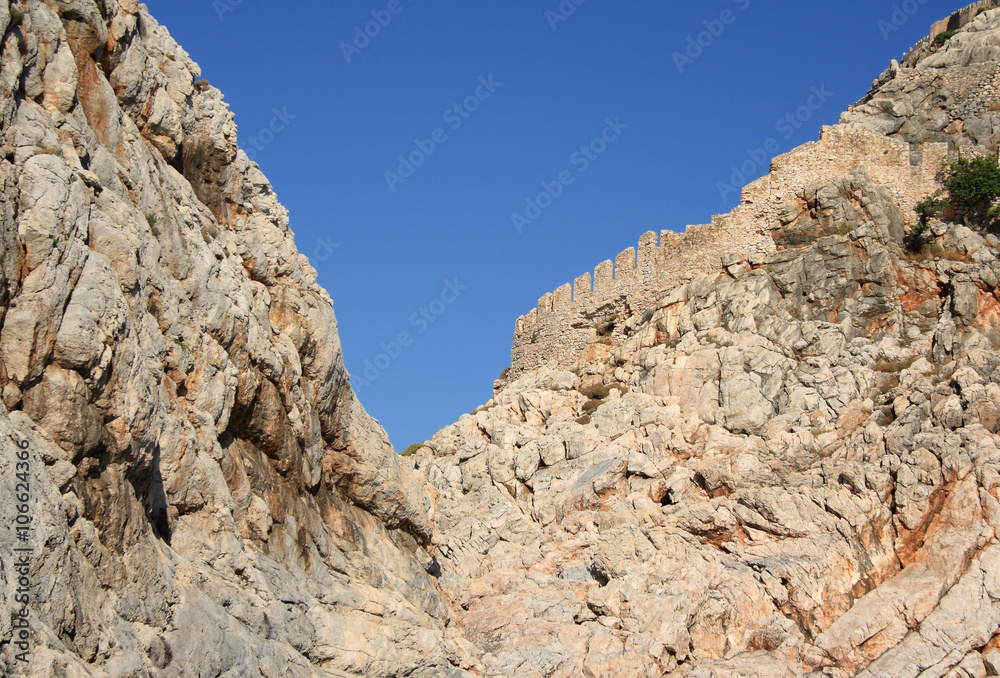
(785, 463)
(774, 456)
(207, 497)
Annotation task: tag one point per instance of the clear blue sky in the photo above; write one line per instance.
(385, 254)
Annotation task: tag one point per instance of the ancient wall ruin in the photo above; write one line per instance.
(596, 306)
(961, 17)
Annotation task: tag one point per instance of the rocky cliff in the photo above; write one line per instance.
(783, 460)
(769, 451)
(202, 493)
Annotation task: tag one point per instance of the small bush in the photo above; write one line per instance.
(182, 346)
(981, 10)
(893, 366)
(974, 181)
(591, 405)
(600, 391)
(534, 337)
(503, 375)
(411, 450)
(935, 251)
(584, 420)
(930, 207)
(605, 329)
(597, 392)
(16, 14)
(845, 227)
(918, 237)
(942, 38)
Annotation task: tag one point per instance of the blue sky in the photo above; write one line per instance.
(488, 102)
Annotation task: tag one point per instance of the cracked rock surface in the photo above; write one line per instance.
(786, 465)
(208, 496)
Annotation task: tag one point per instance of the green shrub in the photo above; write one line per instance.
(974, 181)
(942, 38)
(918, 237)
(411, 450)
(973, 184)
(16, 14)
(930, 207)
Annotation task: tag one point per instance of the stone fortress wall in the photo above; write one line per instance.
(577, 314)
(953, 22)
(961, 17)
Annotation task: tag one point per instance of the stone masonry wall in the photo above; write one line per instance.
(961, 17)
(574, 316)
(899, 138)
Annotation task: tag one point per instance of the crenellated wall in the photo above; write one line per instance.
(576, 315)
(961, 17)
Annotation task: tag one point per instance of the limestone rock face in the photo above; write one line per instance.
(778, 459)
(206, 495)
(785, 465)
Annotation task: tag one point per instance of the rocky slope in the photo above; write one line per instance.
(206, 496)
(787, 465)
